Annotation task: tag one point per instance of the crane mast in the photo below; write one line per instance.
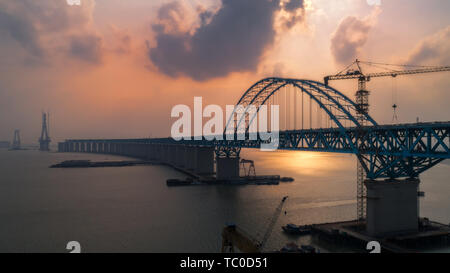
(362, 104)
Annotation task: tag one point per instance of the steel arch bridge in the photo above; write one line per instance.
(385, 151)
(392, 151)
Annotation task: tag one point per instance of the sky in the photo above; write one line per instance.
(115, 68)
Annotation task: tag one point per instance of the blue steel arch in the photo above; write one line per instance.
(260, 92)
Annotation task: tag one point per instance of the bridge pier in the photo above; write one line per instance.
(112, 148)
(60, 147)
(180, 156)
(164, 153)
(392, 206)
(151, 152)
(204, 163)
(141, 151)
(172, 154)
(119, 149)
(190, 158)
(227, 168)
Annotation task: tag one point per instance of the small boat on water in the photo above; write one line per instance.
(287, 179)
(178, 182)
(297, 230)
(294, 248)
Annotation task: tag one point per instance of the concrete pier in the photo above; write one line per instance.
(227, 168)
(392, 206)
(180, 156)
(172, 154)
(190, 158)
(204, 163)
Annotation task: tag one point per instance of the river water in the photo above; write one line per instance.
(130, 209)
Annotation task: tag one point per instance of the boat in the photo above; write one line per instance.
(293, 248)
(287, 179)
(178, 182)
(72, 164)
(297, 230)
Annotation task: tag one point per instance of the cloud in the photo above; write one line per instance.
(350, 36)
(434, 50)
(231, 39)
(293, 5)
(86, 47)
(294, 12)
(43, 28)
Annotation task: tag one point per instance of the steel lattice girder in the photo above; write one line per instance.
(391, 151)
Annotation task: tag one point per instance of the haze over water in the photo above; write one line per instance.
(130, 209)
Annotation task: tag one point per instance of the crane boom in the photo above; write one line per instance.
(232, 236)
(366, 77)
(272, 223)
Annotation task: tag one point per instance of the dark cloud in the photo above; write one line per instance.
(232, 39)
(350, 36)
(295, 13)
(432, 50)
(44, 27)
(20, 29)
(86, 47)
(293, 5)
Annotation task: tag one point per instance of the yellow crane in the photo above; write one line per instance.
(234, 237)
(354, 71)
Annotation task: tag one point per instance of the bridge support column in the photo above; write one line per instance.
(147, 151)
(392, 206)
(227, 168)
(180, 156)
(88, 147)
(190, 158)
(122, 149)
(164, 153)
(142, 151)
(153, 151)
(204, 163)
(131, 149)
(172, 154)
(112, 148)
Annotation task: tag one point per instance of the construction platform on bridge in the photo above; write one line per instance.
(431, 235)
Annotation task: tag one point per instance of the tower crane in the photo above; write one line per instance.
(232, 236)
(362, 103)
